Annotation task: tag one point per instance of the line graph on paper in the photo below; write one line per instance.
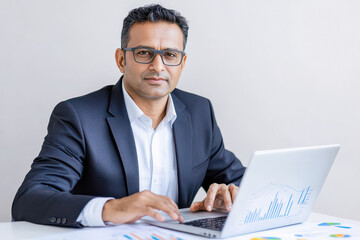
(276, 201)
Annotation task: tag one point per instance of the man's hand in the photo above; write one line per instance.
(132, 208)
(218, 196)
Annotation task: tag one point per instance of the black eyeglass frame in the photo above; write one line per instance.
(161, 52)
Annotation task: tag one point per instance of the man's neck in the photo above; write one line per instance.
(155, 109)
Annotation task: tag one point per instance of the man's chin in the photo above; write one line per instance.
(156, 93)
(157, 96)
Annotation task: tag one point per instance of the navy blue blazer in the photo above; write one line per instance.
(89, 151)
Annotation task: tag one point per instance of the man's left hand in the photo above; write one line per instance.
(218, 196)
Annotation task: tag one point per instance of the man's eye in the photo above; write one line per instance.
(170, 54)
(143, 53)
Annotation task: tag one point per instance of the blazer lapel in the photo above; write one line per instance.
(123, 135)
(182, 130)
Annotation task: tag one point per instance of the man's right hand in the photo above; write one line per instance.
(132, 208)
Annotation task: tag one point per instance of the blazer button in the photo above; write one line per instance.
(52, 219)
(58, 221)
(63, 220)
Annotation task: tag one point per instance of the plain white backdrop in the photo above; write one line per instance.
(280, 73)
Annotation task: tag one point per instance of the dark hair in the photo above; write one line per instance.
(152, 13)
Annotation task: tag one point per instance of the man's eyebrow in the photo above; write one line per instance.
(172, 49)
(144, 46)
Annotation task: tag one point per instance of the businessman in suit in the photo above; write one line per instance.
(130, 149)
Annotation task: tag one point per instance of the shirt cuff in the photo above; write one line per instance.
(91, 215)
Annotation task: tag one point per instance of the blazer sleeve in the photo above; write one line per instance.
(45, 194)
(223, 166)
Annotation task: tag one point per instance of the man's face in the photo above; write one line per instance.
(154, 80)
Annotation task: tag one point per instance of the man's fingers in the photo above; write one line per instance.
(157, 202)
(233, 191)
(166, 205)
(210, 197)
(224, 192)
(173, 203)
(197, 206)
(220, 196)
(154, 214)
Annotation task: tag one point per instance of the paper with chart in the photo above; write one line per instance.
(322, 228)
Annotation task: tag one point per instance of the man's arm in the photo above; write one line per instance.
(44, 197)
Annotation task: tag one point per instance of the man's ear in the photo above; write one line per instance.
(182, 65)
(120, 59)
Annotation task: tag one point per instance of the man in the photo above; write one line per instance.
(128, 150)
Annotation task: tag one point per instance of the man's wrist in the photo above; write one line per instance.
(91, 215)
(106, 211)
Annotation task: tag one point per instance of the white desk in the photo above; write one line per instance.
(309, 230)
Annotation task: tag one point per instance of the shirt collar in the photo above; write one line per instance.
(134, 112)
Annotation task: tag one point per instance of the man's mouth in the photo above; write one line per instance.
(155, 80)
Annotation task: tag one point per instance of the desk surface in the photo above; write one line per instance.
(308, 230)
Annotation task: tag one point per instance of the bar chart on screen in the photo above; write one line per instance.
(276, 201)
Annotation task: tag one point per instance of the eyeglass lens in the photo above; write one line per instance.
(144, 55)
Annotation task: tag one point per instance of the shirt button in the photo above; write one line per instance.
(52, 219)
(58, 221)
(63, 220)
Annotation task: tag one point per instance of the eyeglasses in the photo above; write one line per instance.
(147, 55)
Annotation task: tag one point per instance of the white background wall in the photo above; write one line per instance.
(280, 74)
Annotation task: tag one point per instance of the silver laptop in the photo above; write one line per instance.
(279, 188)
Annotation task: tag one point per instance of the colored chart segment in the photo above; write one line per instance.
(153, 236)
(338, 225)
(146, 234)
(136, 236)
(266, 238)
(340, 236)
(276, 201)
(343, 227)
(329, 224)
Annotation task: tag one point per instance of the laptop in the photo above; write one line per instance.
(279, 188)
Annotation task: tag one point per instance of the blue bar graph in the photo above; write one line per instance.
(307, 191)
(300, 197)
(280, 206)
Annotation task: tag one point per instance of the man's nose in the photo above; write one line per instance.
(157, 64)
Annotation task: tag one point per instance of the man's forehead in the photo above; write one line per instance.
(156, 34)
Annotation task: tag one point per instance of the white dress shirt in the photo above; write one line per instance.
(156, 157)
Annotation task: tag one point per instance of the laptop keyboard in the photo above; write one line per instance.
(216, 223)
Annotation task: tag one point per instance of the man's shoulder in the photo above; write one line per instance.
(189, 98)
(97, 95)
(102, 94)
(91, 102)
